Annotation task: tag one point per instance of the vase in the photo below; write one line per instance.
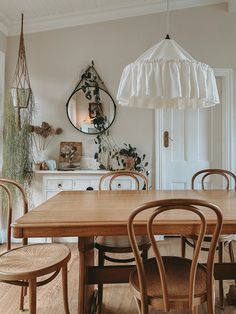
(40, 162)
(129, 163)
(21, 97)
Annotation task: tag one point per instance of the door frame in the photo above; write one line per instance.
(227, 127)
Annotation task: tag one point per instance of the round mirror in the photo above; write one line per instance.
(91, 114)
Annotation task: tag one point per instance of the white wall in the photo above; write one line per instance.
(56, 58)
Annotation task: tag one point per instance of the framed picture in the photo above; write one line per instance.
(70, 154)
(95, 110)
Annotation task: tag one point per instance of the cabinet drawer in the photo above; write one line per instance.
(60, 185)
(82, 184)
(123, 184)
(94, 184)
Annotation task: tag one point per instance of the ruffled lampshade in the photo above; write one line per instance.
(167, 76)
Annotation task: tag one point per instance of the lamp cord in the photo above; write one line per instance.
(167, 20)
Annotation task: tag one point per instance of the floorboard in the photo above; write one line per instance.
(117, 298)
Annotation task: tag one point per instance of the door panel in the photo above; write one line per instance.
(195, 143)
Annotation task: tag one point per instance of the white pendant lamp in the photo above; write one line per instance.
(167, 76)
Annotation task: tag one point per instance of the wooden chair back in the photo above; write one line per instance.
(226, 174)
(7, 186)
(138, 177)
(160, 206)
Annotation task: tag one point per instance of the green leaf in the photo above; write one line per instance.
(88, 95)
(138, 160)
(83, 88)
(102, 167)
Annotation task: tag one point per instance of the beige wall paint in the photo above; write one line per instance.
(2, 71)
(56, 58)
(3, 42)
(2, 86)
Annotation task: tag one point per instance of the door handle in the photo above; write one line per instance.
(166, 139)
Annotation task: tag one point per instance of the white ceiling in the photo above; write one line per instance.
(41, 15)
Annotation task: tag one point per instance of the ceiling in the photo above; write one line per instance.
(41, 15)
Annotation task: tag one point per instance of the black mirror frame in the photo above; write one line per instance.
(99, 132)
(91, 75)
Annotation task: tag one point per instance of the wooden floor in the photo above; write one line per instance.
(117, 298)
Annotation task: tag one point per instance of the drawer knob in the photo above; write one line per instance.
(59, 185)
(119, 185)
(89, 188)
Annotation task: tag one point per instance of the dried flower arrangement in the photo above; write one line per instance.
(43, 135)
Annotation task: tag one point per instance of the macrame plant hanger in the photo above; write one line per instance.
(21, 92)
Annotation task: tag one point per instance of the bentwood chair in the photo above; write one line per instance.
(24, 265)
(224, 240)
(171, 282)
(107, 245)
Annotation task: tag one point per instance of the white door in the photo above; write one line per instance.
(190, 140)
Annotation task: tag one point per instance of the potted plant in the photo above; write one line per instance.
(131, 159)
(111, 157)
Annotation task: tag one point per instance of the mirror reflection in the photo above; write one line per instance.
(89, 115)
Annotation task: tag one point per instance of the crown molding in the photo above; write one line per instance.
(89, 17)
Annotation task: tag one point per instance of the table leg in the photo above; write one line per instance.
(86, 258)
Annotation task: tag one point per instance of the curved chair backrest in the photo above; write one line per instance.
(6, 185)
(159, 207)
(226, 174)
(138, 177)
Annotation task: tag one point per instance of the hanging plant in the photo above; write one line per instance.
(17, 146)
(18, 112)
(107, 151)
(91, 83)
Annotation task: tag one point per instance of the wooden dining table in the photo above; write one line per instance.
(88, 214)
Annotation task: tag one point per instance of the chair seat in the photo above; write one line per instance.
(26, 262)
(120, 241)
(177, 272)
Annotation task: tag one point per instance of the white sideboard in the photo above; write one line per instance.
(53, 182)
(56, 181)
